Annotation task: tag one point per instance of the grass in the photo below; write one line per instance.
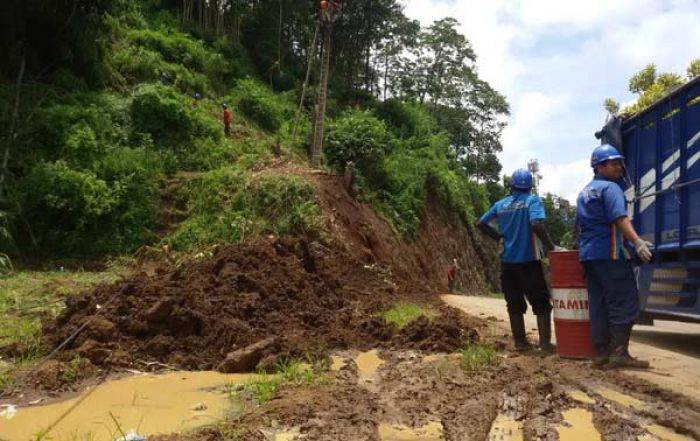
(291, 373)
(404, 313)
(477, 356)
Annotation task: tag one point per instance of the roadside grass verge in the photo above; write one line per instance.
(290, 373)
(477, 356)
(404, 313)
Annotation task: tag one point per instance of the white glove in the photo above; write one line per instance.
(642, 247)
(558, 248)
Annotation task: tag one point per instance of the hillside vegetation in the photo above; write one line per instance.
(100, 123)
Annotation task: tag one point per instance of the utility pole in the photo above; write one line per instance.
(534, 166)
(328, 13)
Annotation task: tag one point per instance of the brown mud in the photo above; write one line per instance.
(409, 398)
(309, 297)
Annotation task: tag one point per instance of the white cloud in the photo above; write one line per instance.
(565, 179)
(556, 61)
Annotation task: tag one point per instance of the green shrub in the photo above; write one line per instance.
(109, 209)
(81, 146)
(360, 137)
(259, 104)
(64, 206)
(228, 206)
(161, 112)
(406, 119)
(83, 124)
(168, 117)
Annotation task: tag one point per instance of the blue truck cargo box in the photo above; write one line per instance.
(662, 150)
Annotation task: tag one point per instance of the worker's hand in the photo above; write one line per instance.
(558, 248)
(643, 249)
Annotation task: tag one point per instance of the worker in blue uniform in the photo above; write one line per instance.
(605, 233)
(519, 220)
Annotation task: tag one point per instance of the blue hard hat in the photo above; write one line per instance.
(604, 153)
(521, 179)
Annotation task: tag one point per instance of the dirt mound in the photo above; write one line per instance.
(309, 297)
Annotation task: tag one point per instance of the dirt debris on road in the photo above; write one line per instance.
(414, 397)
(307, 296)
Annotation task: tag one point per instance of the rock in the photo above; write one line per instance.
(92, 350)
(159, 345)
(101, 329)
(246, 359)
(160, 311)
(267, 363)
(120, 358)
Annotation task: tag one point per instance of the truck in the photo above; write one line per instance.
(661, 146)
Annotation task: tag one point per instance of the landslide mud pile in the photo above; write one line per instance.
(306, 297)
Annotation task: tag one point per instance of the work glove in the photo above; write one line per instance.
(642, 247)
(558, 248)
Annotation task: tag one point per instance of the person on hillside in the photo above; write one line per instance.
(519, 220)
(195, 99)
(602, 222)
(227, 119)
(451, 277)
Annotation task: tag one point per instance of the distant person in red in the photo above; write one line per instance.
(452, 275)
(227, 119)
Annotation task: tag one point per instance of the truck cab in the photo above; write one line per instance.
(662, 156)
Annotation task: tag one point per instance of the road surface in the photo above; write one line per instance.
(672, 348)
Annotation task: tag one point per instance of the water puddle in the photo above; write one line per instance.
(664, 433)
(149, 404)
(337, 363)
(506, 428)
(367, 364)
(619, 398)
(394, 432)
(580, 426)
(580, 396)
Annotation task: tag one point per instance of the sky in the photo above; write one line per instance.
(557, 60)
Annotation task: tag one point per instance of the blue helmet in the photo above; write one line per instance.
(521, 179)
(604, 153)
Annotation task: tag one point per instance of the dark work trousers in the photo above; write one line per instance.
(525, 280)
(613, 299)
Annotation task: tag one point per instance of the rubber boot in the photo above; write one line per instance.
(602, 356)
(544, 327)
(619, 356)
(517, 327)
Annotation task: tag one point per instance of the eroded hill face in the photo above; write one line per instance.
(420, 264)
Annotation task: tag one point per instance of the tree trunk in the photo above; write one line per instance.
(317, 146)
(13, 122)
(310, 61)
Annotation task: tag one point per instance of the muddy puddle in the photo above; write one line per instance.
(337, 363)
(506, 428)
(148, 404)
(664, 433)
(578, 426)
(619, 398)
(367, 365)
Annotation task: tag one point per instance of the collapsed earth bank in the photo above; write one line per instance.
(287, 296)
